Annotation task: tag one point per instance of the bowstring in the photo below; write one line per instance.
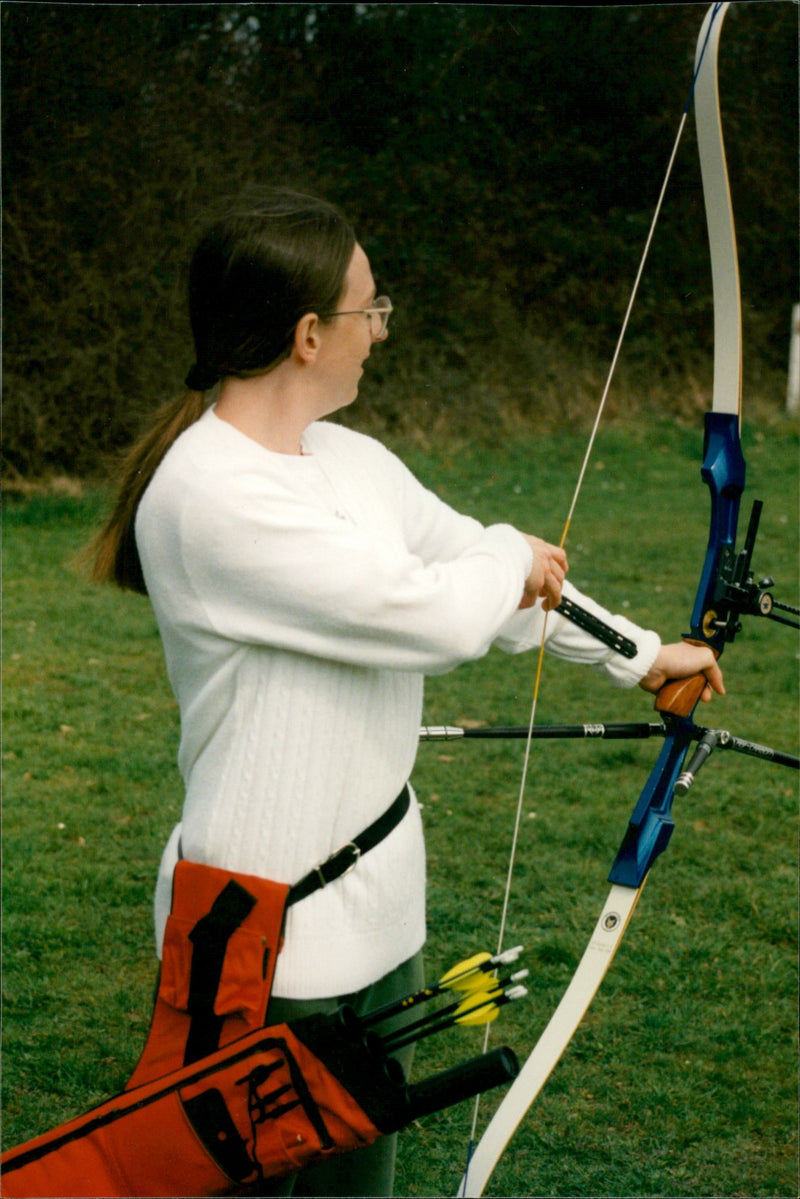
(562, 542)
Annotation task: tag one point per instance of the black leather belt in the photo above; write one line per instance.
(346, 858)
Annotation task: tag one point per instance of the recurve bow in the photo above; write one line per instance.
(719, 600)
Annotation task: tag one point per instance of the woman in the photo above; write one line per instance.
(304, 584)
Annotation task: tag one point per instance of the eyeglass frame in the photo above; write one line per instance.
(384, 309)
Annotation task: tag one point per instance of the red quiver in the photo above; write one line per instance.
(218, 1102)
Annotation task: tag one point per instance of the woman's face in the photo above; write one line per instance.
(347, 339)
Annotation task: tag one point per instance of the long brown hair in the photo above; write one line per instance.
(272, 257)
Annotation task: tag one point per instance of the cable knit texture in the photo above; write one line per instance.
(301, 600)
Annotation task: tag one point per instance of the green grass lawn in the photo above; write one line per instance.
(682, 1079)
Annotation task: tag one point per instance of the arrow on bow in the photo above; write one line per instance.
(714, 617)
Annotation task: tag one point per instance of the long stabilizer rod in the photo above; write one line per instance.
(610, 732)
(607, 731)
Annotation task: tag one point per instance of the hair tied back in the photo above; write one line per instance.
(201, 378)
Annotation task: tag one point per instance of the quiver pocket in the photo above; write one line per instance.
(221, 943)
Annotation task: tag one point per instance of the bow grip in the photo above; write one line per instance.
(679, 696)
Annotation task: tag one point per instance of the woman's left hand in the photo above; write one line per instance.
(682, 660)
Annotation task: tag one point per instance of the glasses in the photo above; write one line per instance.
(378, 315)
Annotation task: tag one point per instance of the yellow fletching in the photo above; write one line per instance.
(480, 1008)
(476, 982)
(466, 974)
(479, 1016)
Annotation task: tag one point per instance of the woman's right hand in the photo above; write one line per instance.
(547, 574)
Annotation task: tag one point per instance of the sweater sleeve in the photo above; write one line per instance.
(431, 527)
(280, 570)
(523, 631)
(437, 530)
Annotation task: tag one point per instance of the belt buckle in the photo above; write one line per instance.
(351, 845)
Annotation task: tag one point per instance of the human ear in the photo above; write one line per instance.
(307, 337)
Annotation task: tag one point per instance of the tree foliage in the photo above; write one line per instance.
(500, 162)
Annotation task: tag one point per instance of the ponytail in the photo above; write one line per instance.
(274, 256)
(113, 552)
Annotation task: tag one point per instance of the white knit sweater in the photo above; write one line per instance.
(301, 600)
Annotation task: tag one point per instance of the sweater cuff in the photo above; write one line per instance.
(627, 672)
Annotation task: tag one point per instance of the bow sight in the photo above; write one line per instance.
(735, 592)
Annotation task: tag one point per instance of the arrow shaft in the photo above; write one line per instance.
(409, 1032)
(491, 990)
(453, 980)
(490, 1005)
